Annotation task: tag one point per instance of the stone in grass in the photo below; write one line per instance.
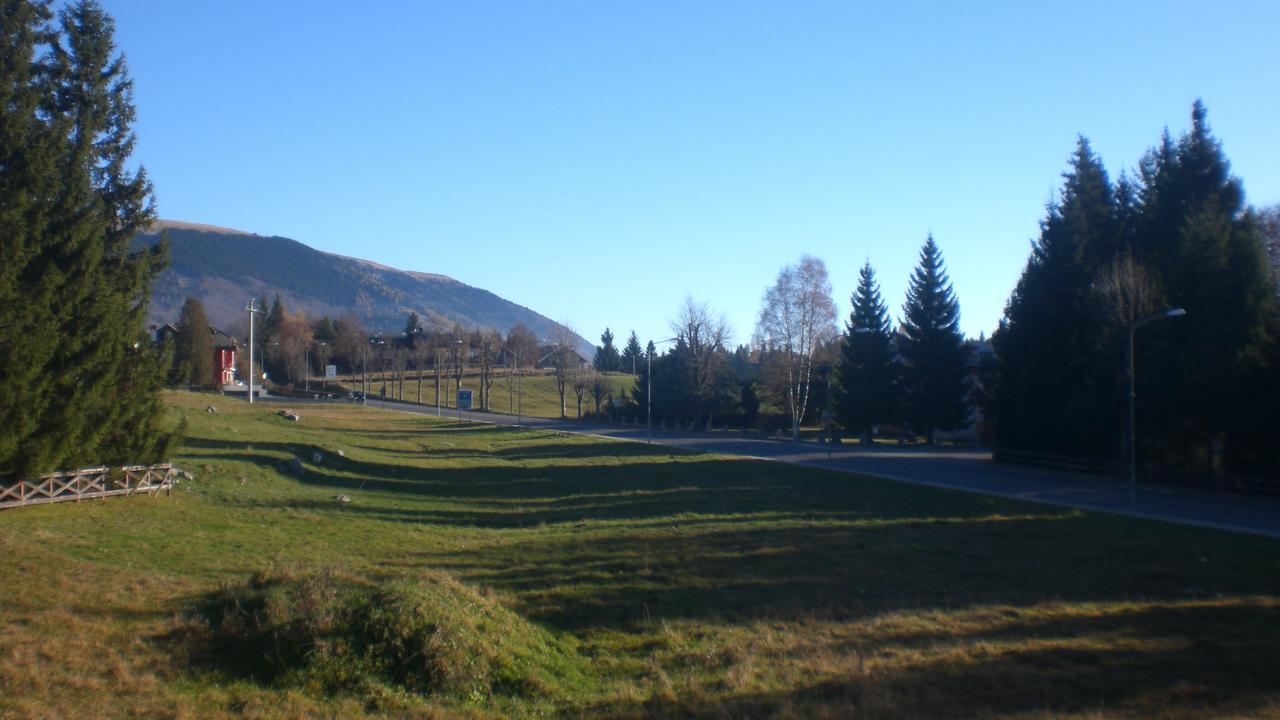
(342, 498)
(211, 409)
(316, 458)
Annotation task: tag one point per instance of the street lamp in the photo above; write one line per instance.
(324, 363)
(648, 393)
(515, 373)
(457, 382)
(251, 308)
(561, 366)
(1133, 433)
(379, 342)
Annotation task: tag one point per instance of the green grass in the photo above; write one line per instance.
(491, 572)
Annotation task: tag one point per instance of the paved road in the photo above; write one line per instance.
(954, 468)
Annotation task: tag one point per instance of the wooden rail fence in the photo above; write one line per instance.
(86, 483)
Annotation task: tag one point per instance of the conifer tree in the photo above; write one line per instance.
(632, 355)
(103, 343)
(1197, 234)
(275, 364)
(1180, 233)
(607, 358)
(28, 156)
(193, 354)
(73, 206)
(868, 390)
(1056, 396)
(933, 348)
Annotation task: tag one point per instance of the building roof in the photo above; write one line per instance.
(221, 339)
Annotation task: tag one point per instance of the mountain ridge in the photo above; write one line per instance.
(224, 267)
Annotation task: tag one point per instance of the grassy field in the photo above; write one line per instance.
(540, 398)
(486, 572)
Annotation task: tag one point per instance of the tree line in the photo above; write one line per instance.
(1111, 258)
(81, 379)
(802, 369)
(291, 348)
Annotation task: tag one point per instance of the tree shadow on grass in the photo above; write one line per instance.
(587, 546)
(619, 579)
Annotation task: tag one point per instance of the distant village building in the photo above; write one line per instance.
(224, 357)
(575, 358)
(224, 352)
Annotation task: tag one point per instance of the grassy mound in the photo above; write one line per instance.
(428, 634)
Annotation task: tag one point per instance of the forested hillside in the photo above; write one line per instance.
(223, 268)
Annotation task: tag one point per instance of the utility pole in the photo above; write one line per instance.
(1132, 424)
(648, 394)
(251, 308)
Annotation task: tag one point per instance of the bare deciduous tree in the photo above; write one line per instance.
(580, 377)
(1126, 292)
(458, 352)
(348, 343)
(564, 360)
(292, 338)
(522, 341)
(599, 389)
(486, 343)
(703, 337)
(797, 318)
(439, 353)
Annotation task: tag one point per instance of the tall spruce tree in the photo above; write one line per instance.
(1182, 234)
(193, 354)
(868, 373)
(75, 206)
(632, 355)
(1055, 394)
(29, 153)
(932, 348)
(1196, 233)
(607, 358)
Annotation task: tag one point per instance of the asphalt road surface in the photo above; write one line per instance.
(971, 470)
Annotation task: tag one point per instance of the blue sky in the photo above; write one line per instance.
(599, 161)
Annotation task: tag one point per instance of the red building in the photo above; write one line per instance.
(224, 353)
(224, 358)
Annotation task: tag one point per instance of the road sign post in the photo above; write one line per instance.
(464, 401)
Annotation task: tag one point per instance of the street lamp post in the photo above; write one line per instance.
(251, 308)
(1132, 420)
(558, 366)
(457, 382)
(306, 370)
(382, 367)
(324, 363)
(515, 373)
(648, 393)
